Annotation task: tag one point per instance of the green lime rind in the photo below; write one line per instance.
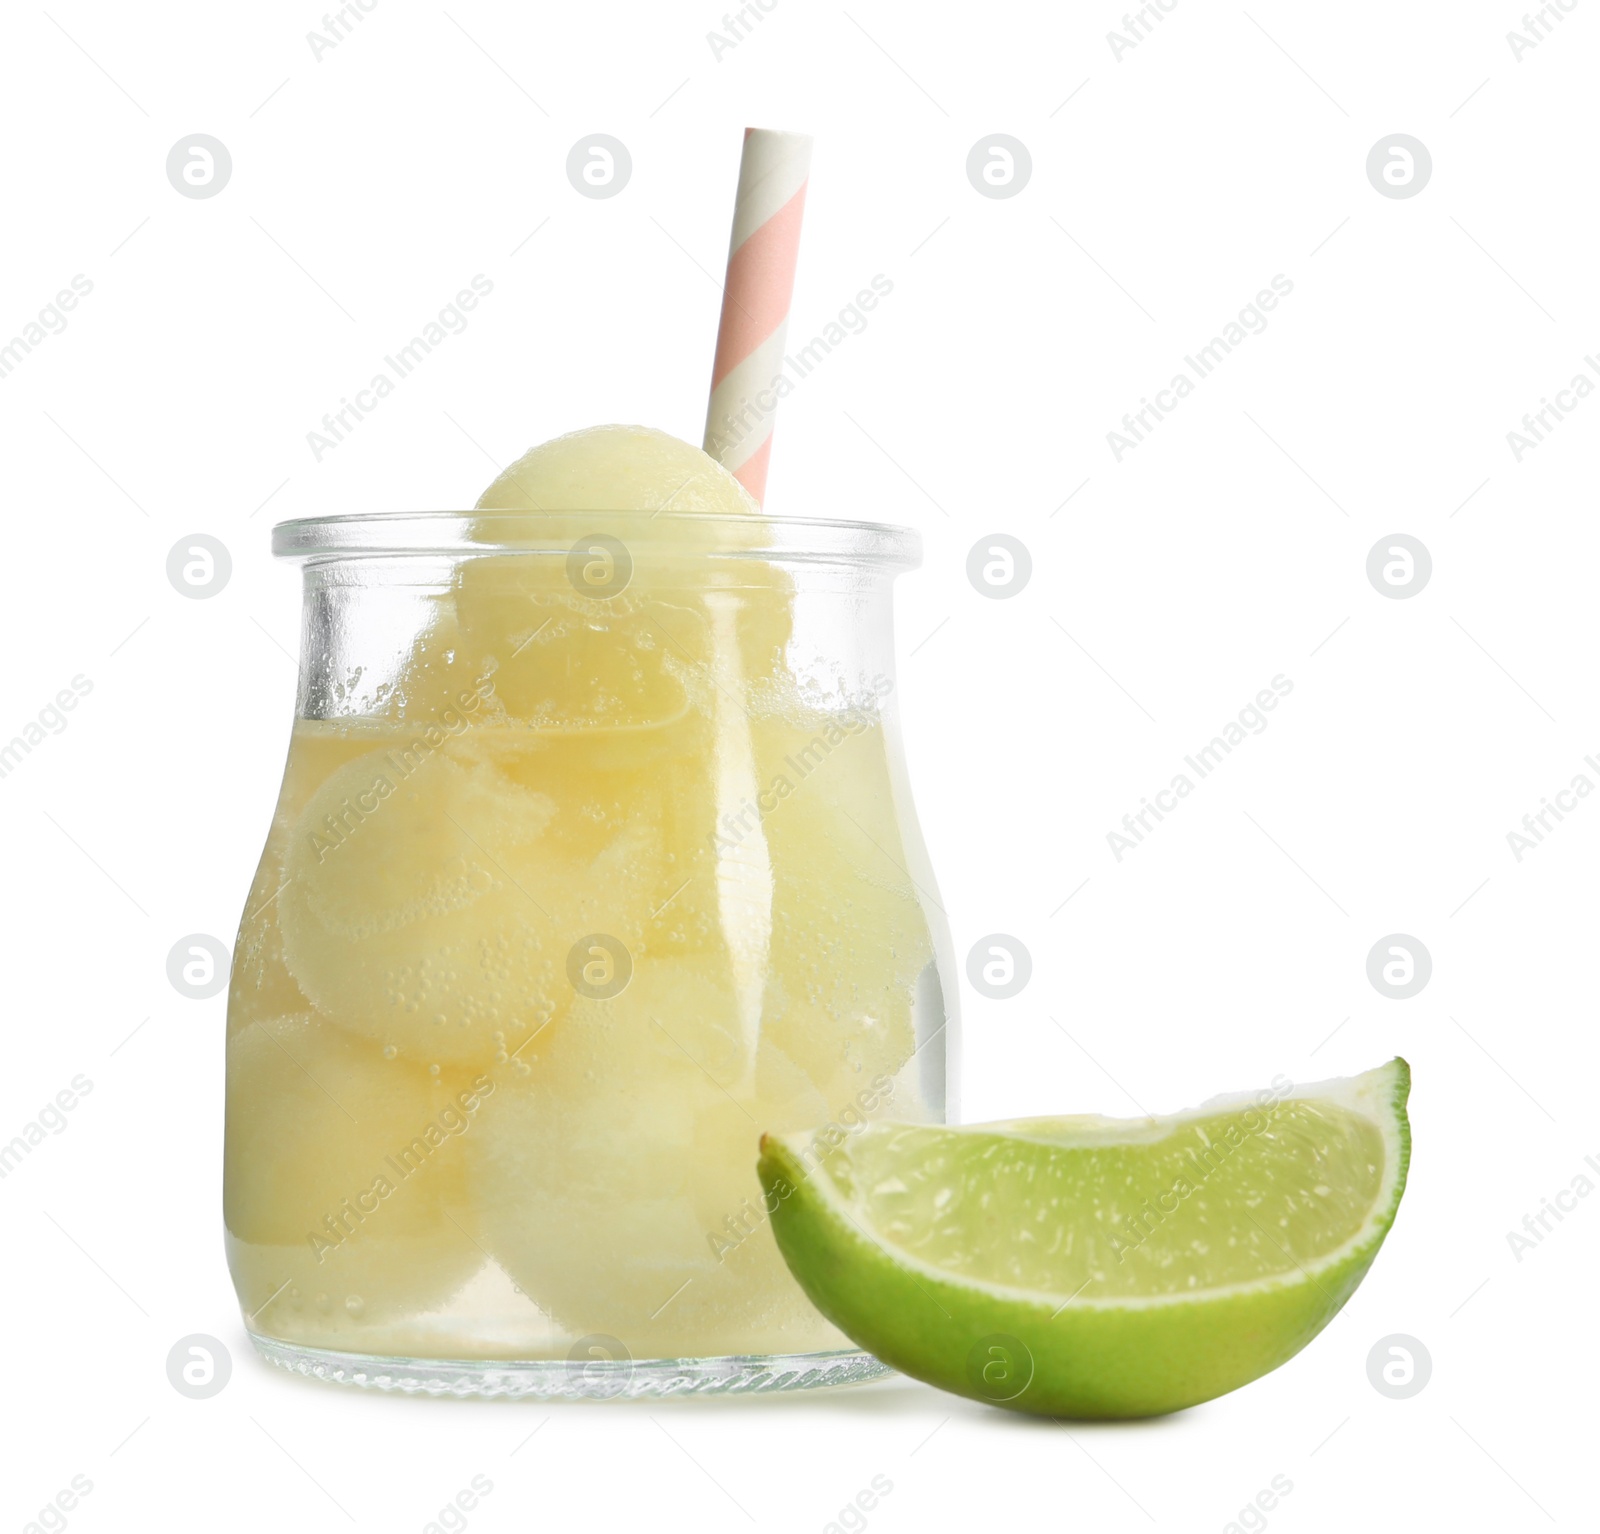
(1058, 1355)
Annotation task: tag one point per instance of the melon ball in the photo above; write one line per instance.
(618, 468)
(341, 1171)
(616, 632)
(616, 1181)
(413, 912)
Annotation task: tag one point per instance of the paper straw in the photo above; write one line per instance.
(755, 302)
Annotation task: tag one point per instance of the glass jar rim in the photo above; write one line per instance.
(470, 534)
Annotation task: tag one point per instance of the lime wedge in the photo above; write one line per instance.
(1093, 1267)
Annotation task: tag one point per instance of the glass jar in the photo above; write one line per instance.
(594, 860)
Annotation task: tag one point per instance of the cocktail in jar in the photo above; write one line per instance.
(594, 860)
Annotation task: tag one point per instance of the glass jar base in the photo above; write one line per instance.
(564, 1379)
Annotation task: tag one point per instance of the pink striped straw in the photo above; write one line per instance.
(755, 303)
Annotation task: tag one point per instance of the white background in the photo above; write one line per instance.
(1167, 188)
